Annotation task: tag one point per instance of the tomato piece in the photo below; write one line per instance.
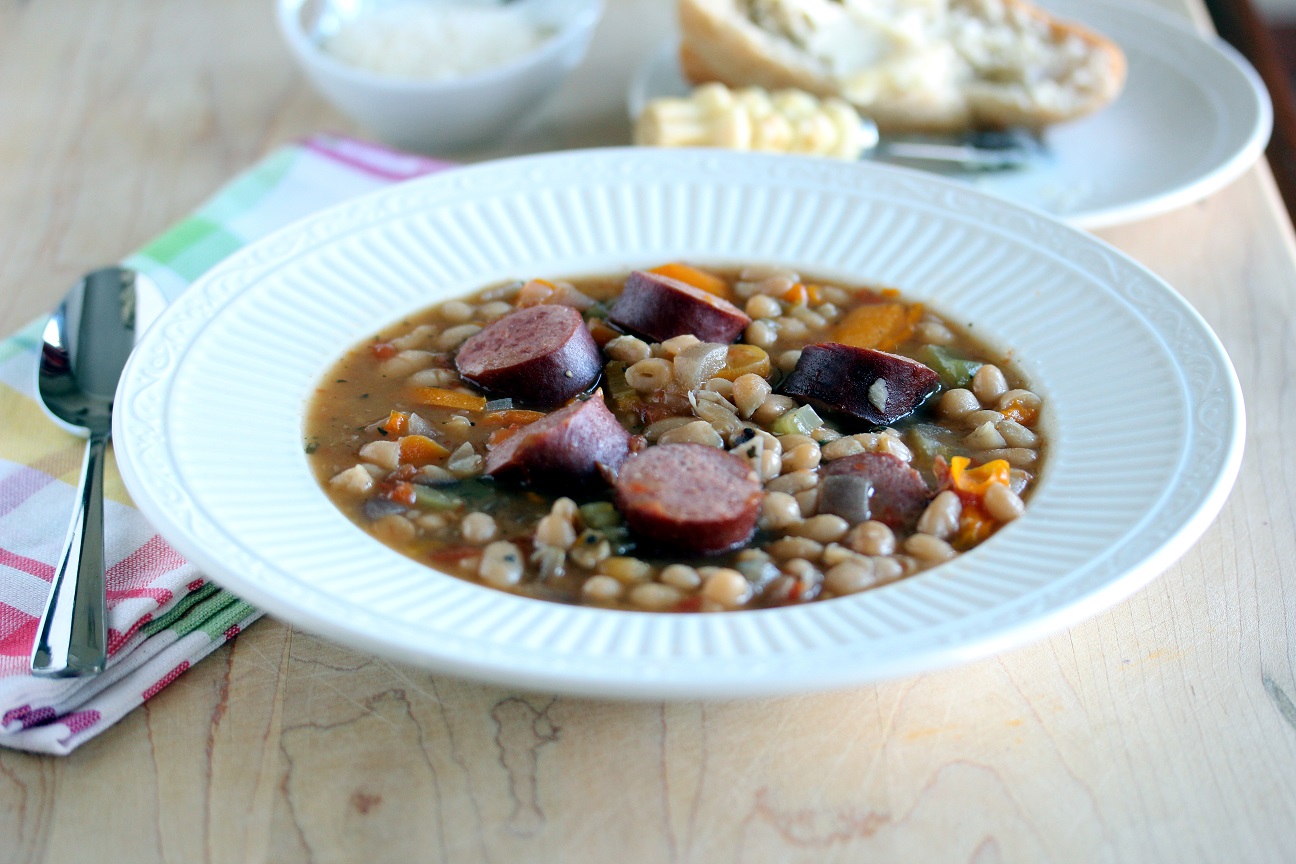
(976, 481)
(403, 493)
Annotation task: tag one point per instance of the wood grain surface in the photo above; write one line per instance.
(1161, 731)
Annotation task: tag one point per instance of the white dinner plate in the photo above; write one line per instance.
(1192, 117)
(1143, 413)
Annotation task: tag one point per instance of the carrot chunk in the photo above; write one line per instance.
(797, 295)
(397, 423)
(880, 326)
(439, 397)
(742, 359)
(708, 282)
(420, 450)
(511, 417)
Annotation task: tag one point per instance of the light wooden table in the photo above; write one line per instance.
(1161, 731)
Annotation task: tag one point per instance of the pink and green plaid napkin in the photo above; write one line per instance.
(163, 615)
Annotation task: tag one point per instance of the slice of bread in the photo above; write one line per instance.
(910, 65)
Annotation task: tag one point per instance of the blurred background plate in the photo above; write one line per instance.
(1193, 116)
(1143, 414)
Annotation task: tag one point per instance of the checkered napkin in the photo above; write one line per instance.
(163, 615)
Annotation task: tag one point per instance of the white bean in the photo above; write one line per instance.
(625, 569)
(354, 480)
(406, 363)
(824, 528)
(456, 311)
(941, 518)
(697, 432)
(464, 461)
(1015, 434)
(1018, 457)
(779, 510)
(433, 377)
(727, 587)
(1002, 503)
(984, 437)
(958, 403)
(988, 384)
(601, 589)
(590, 548)
(649, 375)
(501, 564)
(749, 391)
(385, 454)
(774, 407)
(478, 528)
(629, 349)
(797, 481)
(929, 549)
(841, 448)
(676, 344)
(456, 336)
(494, 309)
(680, 576)
(655, 596)
(850, 577)
(794, 547)
(761, 333)
(763, 306)
(871, 538)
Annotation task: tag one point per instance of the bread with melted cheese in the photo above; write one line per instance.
(911, 65)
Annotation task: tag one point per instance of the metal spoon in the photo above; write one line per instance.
(87, 341)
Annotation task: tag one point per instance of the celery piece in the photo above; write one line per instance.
(927, 441)
(600, 514)
(954, 371)
(598, 310)
(623, 395)
(435, 499)
(800, 421)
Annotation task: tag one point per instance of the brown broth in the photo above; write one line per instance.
(361, 390)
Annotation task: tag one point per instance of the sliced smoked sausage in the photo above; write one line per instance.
(874, 386)
(661, 308)
(574, 446)
(541, 354)
(875, 486)
(689, 499)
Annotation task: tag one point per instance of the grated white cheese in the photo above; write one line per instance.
(436, 41)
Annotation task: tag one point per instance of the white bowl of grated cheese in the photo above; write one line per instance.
(438, 75)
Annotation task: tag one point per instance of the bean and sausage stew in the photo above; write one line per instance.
(677, 439)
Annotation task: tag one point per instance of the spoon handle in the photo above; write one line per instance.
(72, 639)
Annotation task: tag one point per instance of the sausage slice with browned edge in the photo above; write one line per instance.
(876, 486)
(690, 499)
(661, 308)
(573, 446)
(871, 385)
(542, 355)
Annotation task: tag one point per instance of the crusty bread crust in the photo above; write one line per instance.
(720, 42)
